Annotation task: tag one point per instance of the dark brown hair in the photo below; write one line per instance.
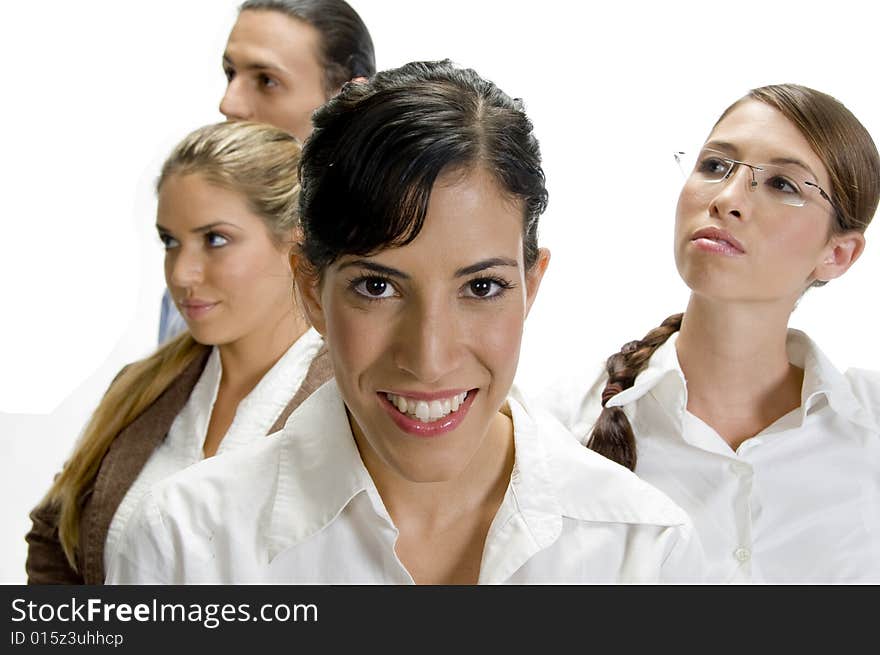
(368, 168)
(849, 155)
(346, 45)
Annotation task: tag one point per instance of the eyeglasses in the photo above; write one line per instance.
(780, 183)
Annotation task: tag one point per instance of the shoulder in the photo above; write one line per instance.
(865, 386)
(236, 481)
(591, 487)
(573, 398)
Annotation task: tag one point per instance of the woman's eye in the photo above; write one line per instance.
(216, 240)
(782, 185)
(374, 288)
(229, 73)
(168, 241)
(485, 288)
(712, 166)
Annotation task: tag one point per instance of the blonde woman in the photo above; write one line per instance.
(227, 214)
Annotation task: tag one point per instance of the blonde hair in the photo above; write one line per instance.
(258, 161)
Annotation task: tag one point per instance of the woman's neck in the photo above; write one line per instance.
(734, 358)
(483, 481)
(246, 360)
(243, 365)
(443, 525)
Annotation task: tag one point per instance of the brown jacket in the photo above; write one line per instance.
(46, 562)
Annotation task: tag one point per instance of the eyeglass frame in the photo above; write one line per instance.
(756, 167)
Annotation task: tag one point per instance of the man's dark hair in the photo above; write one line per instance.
(346, 45)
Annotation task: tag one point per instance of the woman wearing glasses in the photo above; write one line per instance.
(742, 421)
(416, 464)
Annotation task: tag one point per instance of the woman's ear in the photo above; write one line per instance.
(534, 276)
(308, 285)
(841, 252)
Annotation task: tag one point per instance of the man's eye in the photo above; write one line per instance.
(267, 82)
(374, 288)
(168, 241)
(215, 240)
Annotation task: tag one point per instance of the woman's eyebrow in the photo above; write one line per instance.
(215, 224)
(393, 272)
(782, 161)
(486, 263)
(202, 228)
(722, 145)
(376, 268)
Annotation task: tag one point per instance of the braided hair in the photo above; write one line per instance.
(853, 164)
(612, 435)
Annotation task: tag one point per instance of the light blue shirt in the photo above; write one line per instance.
(171, 323)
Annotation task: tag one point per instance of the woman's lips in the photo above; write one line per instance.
(429, 428)
(195, 310)
(715, 240)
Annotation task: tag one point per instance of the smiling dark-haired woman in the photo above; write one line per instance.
(421, 194)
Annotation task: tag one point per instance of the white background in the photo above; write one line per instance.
(93, 95)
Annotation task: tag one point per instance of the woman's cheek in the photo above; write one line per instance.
(357, 334)
(495, 336)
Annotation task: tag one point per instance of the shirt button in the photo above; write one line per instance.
(742, 554)
(740, 468)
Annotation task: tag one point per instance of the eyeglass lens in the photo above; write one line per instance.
(783, 184)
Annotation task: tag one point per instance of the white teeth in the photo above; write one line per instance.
(426, 411)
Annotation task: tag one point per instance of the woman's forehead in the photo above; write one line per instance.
(756, 132)
(469, 220)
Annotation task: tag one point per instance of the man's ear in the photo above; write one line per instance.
(355, 80)
(534, 276)
(841, 252)
(308, 287)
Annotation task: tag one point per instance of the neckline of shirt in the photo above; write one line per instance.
(664, 379)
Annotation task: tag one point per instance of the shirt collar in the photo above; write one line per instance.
(821, 379)
(662, 365)
(529, 518)
(531, 482)
(320, 471)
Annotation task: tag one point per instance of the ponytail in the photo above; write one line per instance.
(135, 388)
(612, 435)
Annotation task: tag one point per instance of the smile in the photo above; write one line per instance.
(427, 411)
(428, 415)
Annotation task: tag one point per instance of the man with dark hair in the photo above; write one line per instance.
(283, 60)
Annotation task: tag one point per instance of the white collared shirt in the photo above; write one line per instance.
(797, 503)
(254, 416)
(300, 507)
